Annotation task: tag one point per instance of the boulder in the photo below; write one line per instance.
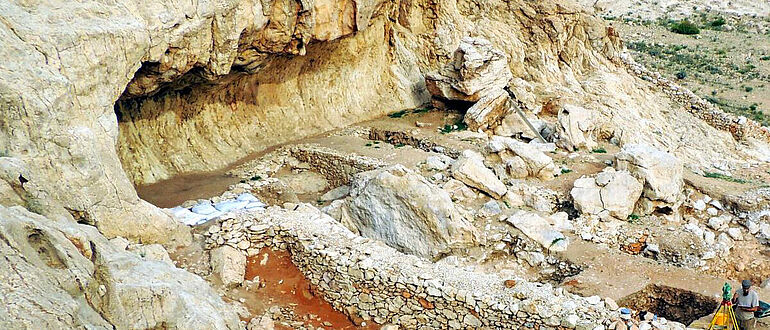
(513, 126)
(64, 275)
(407, 212)
(574, 128)
(488, 111)
(540, 230)
(661, 172)
(458, 190)
(613, 191)
(476, 70)
(470, 169)
(336, 193)
(229, 264)
(538, 164)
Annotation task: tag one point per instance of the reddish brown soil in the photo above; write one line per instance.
(285, 286)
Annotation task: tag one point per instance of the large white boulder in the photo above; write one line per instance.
(661, 172)
(540, 230)
(574, 128)
(407, 212)
(476, 70)
(613, 191)
(470, 169)
(538, 164)
(488, 112)
(229, 264)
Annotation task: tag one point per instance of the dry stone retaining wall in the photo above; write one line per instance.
(740, 127)
(368, 280)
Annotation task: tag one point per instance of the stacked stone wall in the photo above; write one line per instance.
(370, 281)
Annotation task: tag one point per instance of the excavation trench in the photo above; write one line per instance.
(672, 303)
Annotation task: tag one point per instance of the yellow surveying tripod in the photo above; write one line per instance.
(725, 315)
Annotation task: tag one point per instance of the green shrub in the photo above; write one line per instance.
(459, 125)
(397, 114)
(718, 22)
(724, 177)
(765, 58)
(681, 75)
(599, 150)
(748, 89)
(685, 27)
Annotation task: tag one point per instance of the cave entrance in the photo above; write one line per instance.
(672, 303)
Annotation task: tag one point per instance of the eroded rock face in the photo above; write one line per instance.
(404, 210)
(60, 275)
(183, 109)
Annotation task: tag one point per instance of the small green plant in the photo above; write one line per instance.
(369, 144)
(397, 114)
(681, 75)
(421, 110)
(599, 150)
(555, 241)
(565, 170)
(459, 125)
(506, 204)
(685, 27)
(399, 145)
(748, 89)
(765, 58)
(633, 216)
(719, 22)
(724, 177)
(256, 178)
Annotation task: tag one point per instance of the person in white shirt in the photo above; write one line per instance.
(746, 302)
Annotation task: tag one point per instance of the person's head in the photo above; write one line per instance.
(746, 285)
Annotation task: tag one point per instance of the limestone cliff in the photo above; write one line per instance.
(199, 85)
(103, 95)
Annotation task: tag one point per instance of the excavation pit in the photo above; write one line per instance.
(672, 303)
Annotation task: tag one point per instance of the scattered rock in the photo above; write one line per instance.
(264, 322)
(229, 264)
(469, 168)
(458, 190)
(538, 164)
(336, 193)
(435, 163)
(538, 229)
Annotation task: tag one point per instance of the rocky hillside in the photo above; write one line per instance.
(102, 97)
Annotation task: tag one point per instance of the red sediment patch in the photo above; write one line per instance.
(286, 287)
